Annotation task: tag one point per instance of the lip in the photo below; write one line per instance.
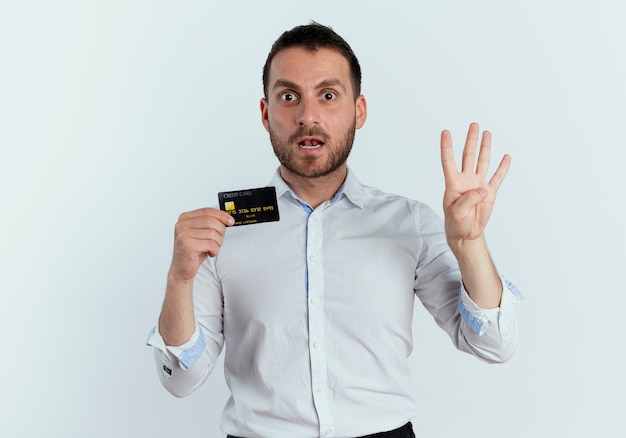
(310, 143)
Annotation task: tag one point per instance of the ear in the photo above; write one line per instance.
(264, 114)
(361, 111)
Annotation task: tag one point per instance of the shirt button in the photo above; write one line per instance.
(312, 258)
(314, 300)
(315, 345)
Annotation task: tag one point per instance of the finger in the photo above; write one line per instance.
(469, 151)
(447, 156)
(503, 168)
(466, 203)
(192, 243)
(484, 155)
(214, 232)
(207, 213)
(209, 246)
(197, 213)
(205, 234)
(195, 226)
(222, 216)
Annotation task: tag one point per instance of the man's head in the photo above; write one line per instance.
(310, 109)
(313, 37)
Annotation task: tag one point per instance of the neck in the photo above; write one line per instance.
(316, 190)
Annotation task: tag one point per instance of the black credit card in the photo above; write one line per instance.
(250, 206)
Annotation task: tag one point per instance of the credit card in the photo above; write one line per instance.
(250, 206)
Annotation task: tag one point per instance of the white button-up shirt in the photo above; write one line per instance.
(315, 311)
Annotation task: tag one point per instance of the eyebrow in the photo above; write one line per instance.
(325, 83)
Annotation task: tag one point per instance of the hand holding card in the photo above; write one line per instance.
(198, 234)
(250, 206)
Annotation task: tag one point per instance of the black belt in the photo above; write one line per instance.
(405, 431)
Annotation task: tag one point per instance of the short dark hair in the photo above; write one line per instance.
(312, 37)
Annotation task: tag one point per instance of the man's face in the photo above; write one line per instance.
(310, 111)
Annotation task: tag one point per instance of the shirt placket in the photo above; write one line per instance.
(317, 350)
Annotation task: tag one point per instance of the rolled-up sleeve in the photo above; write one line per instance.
(184, 368)
(491, 333)
(181, 369)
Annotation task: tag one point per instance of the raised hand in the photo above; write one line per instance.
(198, 235)
(469, 199)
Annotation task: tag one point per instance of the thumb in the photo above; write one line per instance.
(467, 201)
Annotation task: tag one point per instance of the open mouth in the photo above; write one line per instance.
(310, 143)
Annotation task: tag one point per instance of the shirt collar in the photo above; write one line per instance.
(351, 188)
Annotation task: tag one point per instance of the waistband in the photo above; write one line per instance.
(405, 431)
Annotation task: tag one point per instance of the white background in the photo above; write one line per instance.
(117, 116)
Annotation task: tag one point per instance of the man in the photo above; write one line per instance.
(318, 328)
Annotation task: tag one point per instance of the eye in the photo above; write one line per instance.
(288, 96)
(329, 95)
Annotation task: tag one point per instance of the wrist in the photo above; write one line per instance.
(178, 288)
(180, 275)
(480, 277)
(467, 248)
(177, 284)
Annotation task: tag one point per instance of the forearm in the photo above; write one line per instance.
(479, 274)
(177, 321)
(186, 349)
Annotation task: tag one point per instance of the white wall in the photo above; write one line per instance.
(115, 116)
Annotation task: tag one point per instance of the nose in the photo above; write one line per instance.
(308, 113)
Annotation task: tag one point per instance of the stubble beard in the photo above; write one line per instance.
(306, 167)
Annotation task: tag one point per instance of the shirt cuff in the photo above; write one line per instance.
(477, 318)
(187, 353)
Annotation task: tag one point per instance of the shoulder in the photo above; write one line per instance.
(375, 198)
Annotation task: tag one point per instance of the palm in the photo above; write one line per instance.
(467, 209)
